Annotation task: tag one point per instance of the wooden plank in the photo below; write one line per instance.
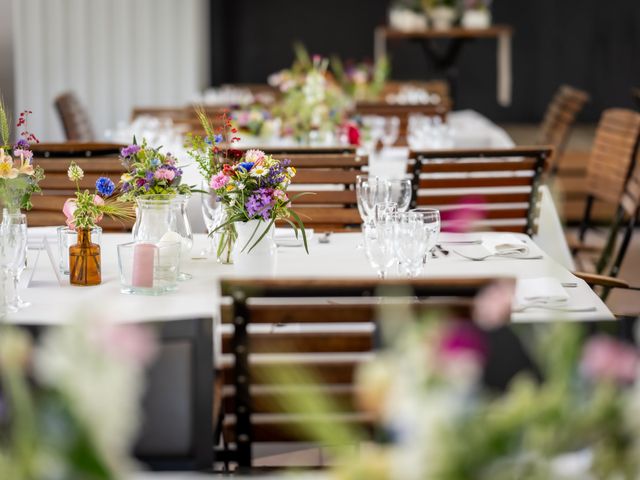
(521, 151)
(488, 197)
(478, 166)
(472, 182)
(342, 216)
(308, 342)
(318, 176)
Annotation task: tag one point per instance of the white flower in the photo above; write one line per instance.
(259, 171)
(75, 173)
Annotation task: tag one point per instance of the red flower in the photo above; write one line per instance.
(353, 133)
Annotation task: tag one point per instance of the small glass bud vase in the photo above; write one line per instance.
(84, 261)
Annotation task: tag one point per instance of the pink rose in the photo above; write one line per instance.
(164, 174)
(607, 359)
(218, 181)
(68, 208)
(98, 200)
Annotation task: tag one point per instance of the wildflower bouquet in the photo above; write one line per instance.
(150, 172)
(250, 185)
(87, 209)
(362, 81)
(18, 178)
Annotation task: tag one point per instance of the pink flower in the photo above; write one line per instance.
(129, 343)
(280, 195)
(255, 156)
(492, 306)
(164, 174)
(68, 208)
(464, 218)
(607, 359)
(218, 181)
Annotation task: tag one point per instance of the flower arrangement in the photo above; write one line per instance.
(252, 120)
(361, 81)
(150, 172)
(251, 185)
(312, 101)
(477, 4)
(87, 209)
(70, 404)
(18, 178)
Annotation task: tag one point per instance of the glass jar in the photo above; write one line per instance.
(163, 218)
(84, 260)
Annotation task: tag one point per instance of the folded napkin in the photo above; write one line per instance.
(35, 236)
(286, 237)
(543, 290)
(507, 245)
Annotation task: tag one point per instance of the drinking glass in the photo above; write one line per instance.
(400, 193)
(384, 210)
(431, 220)
(13, 254)
(369, 191)
(391, 131)
(379, 246)
(212, 214)
(411, 241)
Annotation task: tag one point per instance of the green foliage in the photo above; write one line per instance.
(4, 126)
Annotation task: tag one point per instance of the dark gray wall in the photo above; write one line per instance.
(591, 44)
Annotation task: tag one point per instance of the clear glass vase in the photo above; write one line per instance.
(163, 218)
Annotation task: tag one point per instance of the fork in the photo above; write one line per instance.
(484, 257)
(556, 308)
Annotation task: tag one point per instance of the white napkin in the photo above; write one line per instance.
(543, 290)
(286, 237)
(506, 244)
(35, 236)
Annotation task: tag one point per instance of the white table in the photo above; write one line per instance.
(199, 297)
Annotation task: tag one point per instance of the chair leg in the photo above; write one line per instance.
(586, 219)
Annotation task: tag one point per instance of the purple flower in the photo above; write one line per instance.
(260, 203)
(21, 144)
(148, 177)
(130, 150)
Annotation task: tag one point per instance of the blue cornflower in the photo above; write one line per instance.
(105, 186)
(218, 138)
(155, 162)
(246, 166)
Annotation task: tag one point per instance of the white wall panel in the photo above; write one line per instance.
(115, 54)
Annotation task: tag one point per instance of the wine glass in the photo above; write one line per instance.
(13, 254)
(431, 221)
(400, 192)
(391, 131)
(212, 214)
(384, 210)
(370, 191)
(411, 242)
(379, 246)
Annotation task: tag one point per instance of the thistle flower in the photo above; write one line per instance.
(75, 173)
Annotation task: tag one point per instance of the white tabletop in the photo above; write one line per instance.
(53, 303)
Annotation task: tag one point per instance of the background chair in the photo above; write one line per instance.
(268, 339)
(75, 118)
(500, 184)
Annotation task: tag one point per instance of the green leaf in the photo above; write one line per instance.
(266, 230)
(304, 233)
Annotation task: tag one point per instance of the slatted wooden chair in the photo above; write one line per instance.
(331, 178)
(75, 118)
(501, 184)
(558, 121)
(268, 338)
(613, 158)
(96, 160)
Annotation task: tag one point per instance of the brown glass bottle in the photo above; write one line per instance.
(84, 261)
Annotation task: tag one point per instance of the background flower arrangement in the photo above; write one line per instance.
(361, 81)
(18, 178)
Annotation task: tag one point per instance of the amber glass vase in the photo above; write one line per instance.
(84, 261)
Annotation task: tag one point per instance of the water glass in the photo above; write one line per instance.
(431, 219)
(379, 246)
(384, 210)
(411, 242)
(400, 192)
(68, 237)
(149, 268)
(13, 256)
(391, 131)
(212, 214)
(370, 190)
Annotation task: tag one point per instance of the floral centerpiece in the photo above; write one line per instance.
(443, 13)
(18, 178)
(70, 404)
(312, 104)
(361, 81)
(255, 121)
(83, 214)
(252, 187)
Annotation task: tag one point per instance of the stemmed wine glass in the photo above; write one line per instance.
(411, 241)
(13, 254)
(212, 214)
(379, 245)
(431, 220)
(400, 192)
(370, 191)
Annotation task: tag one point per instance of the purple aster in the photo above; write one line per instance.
(21, 144)
(148, 177)
(130, 150)
(260, 203)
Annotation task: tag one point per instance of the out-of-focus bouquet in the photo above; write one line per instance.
(150, 172)
(69, 407)
(18, 178)
(361, 81)
(312, 103)
(256, 121)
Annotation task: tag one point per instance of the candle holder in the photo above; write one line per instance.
(149, 268)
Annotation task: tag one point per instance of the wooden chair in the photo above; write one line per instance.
(612, 160)
(74, 117)
(267, 339)
(501, 183)
(558, 121)
(56, 188)
(331, 178)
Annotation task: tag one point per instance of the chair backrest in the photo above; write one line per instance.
(323, 334)
(558, 120)
(501, 185)
(56, 187)
(331, 178)
(75, 118)
(177, 424)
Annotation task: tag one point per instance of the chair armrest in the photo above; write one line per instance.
(603, 280)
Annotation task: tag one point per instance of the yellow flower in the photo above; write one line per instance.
(230, 187)
(7, 170)
(26, 168)
(126, 178)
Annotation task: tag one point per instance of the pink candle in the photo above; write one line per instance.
(143, 258)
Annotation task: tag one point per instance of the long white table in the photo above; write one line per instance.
(53, 303)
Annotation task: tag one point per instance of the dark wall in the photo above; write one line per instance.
(590, 44)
